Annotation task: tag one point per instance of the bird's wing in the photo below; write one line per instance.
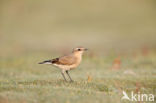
(65, 60)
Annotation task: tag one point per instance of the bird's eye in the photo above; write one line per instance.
(79, 49)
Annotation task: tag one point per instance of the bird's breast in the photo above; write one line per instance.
(78, 61)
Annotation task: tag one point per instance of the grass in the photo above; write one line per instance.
(22, 80)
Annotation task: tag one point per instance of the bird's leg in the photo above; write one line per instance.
(69, 76)
(63, 76)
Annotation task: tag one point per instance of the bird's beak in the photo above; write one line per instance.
(85, 49)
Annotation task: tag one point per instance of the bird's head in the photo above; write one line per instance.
(79, 50)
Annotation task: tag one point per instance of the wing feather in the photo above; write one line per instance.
(65, 60)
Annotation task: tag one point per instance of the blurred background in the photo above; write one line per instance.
(101, 25)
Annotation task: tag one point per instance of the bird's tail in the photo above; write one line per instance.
(53, 61)
(46, 62)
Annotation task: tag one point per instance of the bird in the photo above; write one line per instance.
(67, 62)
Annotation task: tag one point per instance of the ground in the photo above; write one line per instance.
(97, 80)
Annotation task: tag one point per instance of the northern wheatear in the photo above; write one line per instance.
(67, 62)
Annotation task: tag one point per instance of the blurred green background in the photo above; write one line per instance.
(120, 35)
(30, 25)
